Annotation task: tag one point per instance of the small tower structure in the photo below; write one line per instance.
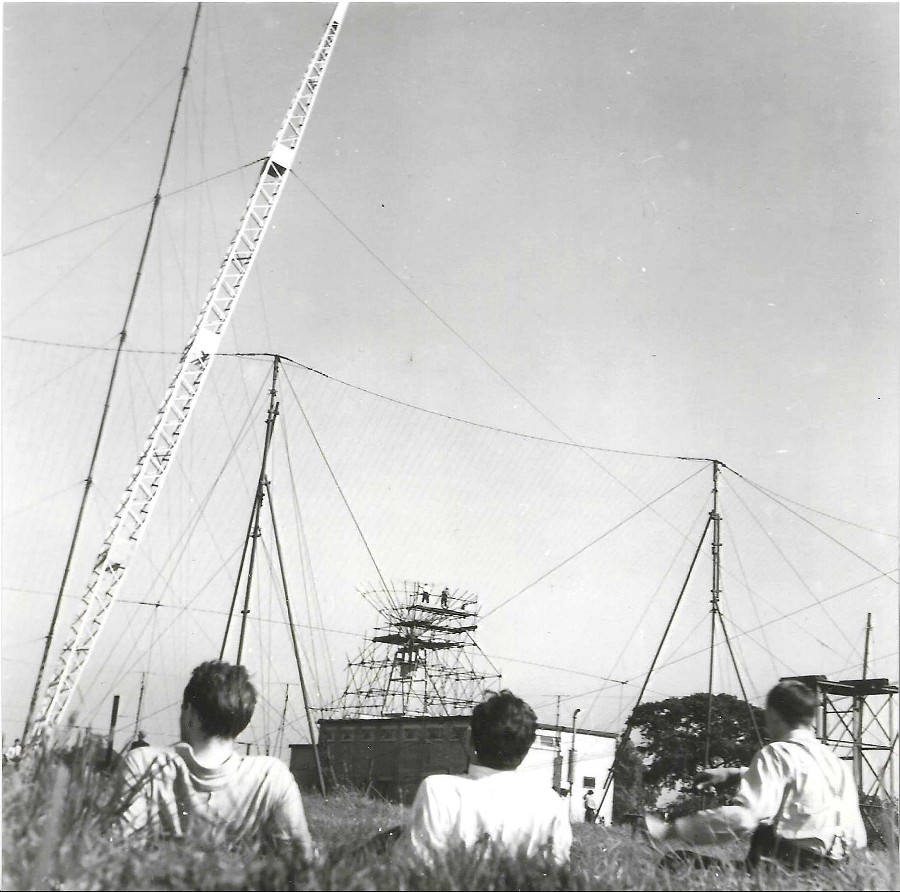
(422, 659)
(857, 718)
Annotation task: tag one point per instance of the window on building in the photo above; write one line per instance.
(546, 740)
(589, 781)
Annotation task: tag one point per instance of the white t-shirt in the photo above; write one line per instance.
(512, 810)
(168, 790)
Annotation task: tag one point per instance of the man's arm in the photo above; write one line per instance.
(718, 777)
(427, 832)
(134, 794)
(288, 820)
(758, 799)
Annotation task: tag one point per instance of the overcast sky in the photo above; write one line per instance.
(666, 229)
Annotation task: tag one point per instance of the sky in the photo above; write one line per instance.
(665, 230)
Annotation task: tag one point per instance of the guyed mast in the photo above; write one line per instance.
(172, 417)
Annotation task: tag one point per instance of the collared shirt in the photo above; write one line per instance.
(511, 810)
(169, 791)
(800, 787)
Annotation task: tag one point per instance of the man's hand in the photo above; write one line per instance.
(656, 828)
(716, 777)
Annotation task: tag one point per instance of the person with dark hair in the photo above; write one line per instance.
(139, 741)
(13, 753)
(496, 803)
(797, 798)
(591, 807)
(202, 782)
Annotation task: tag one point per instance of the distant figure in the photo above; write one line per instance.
(139, 741)
(797, 799)
(14, 753)
(425, 596)
(590, 807)
(601, 822)
(492, 803)
(445, 597)
(203, 781)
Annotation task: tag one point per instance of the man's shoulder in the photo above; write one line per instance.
(446, 781)
(793, 747)
(266, 768)
(145, 756)
(444, 785)
(162, 764)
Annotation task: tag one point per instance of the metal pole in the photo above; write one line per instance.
(866, 651)
(112, 729)
(279, 737)
(607, 783)
(137, 717)
(572, 764)
(892, 754)
(170, 422)
(737, 672)
(258, 501)
(714, 606)
(290, 618)
(858, 743)
(248, 538)
(123, 334)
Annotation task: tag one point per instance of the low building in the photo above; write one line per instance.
(391, 756)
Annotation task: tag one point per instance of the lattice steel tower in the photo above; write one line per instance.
(171, 420)
(857, 719)
(422, 659)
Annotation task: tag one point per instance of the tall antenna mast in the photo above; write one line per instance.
(715, 591)
(713, 522)
(254, 533)
(866, 651)
(123, 334)
(171, 419)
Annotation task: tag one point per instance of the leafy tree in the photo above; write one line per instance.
(630, 794)
(673, 738)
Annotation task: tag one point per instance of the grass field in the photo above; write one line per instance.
(55, 836)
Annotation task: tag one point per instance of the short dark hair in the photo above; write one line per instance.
(503, 729)
(222, 697)
(793, 702)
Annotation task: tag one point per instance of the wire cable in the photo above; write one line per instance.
(816, 526)
(590, 544)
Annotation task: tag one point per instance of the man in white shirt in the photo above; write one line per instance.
(797, 798)
(493, 804)
(202, 782)
(591, 806)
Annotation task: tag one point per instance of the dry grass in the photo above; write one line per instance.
(55, 836)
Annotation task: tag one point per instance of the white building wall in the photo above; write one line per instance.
(593, 760)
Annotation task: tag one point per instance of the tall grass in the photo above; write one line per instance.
(58, 806)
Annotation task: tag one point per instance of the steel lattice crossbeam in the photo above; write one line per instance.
(168, 426)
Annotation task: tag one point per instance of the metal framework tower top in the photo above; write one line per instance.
(857, 718)
(422, 658)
